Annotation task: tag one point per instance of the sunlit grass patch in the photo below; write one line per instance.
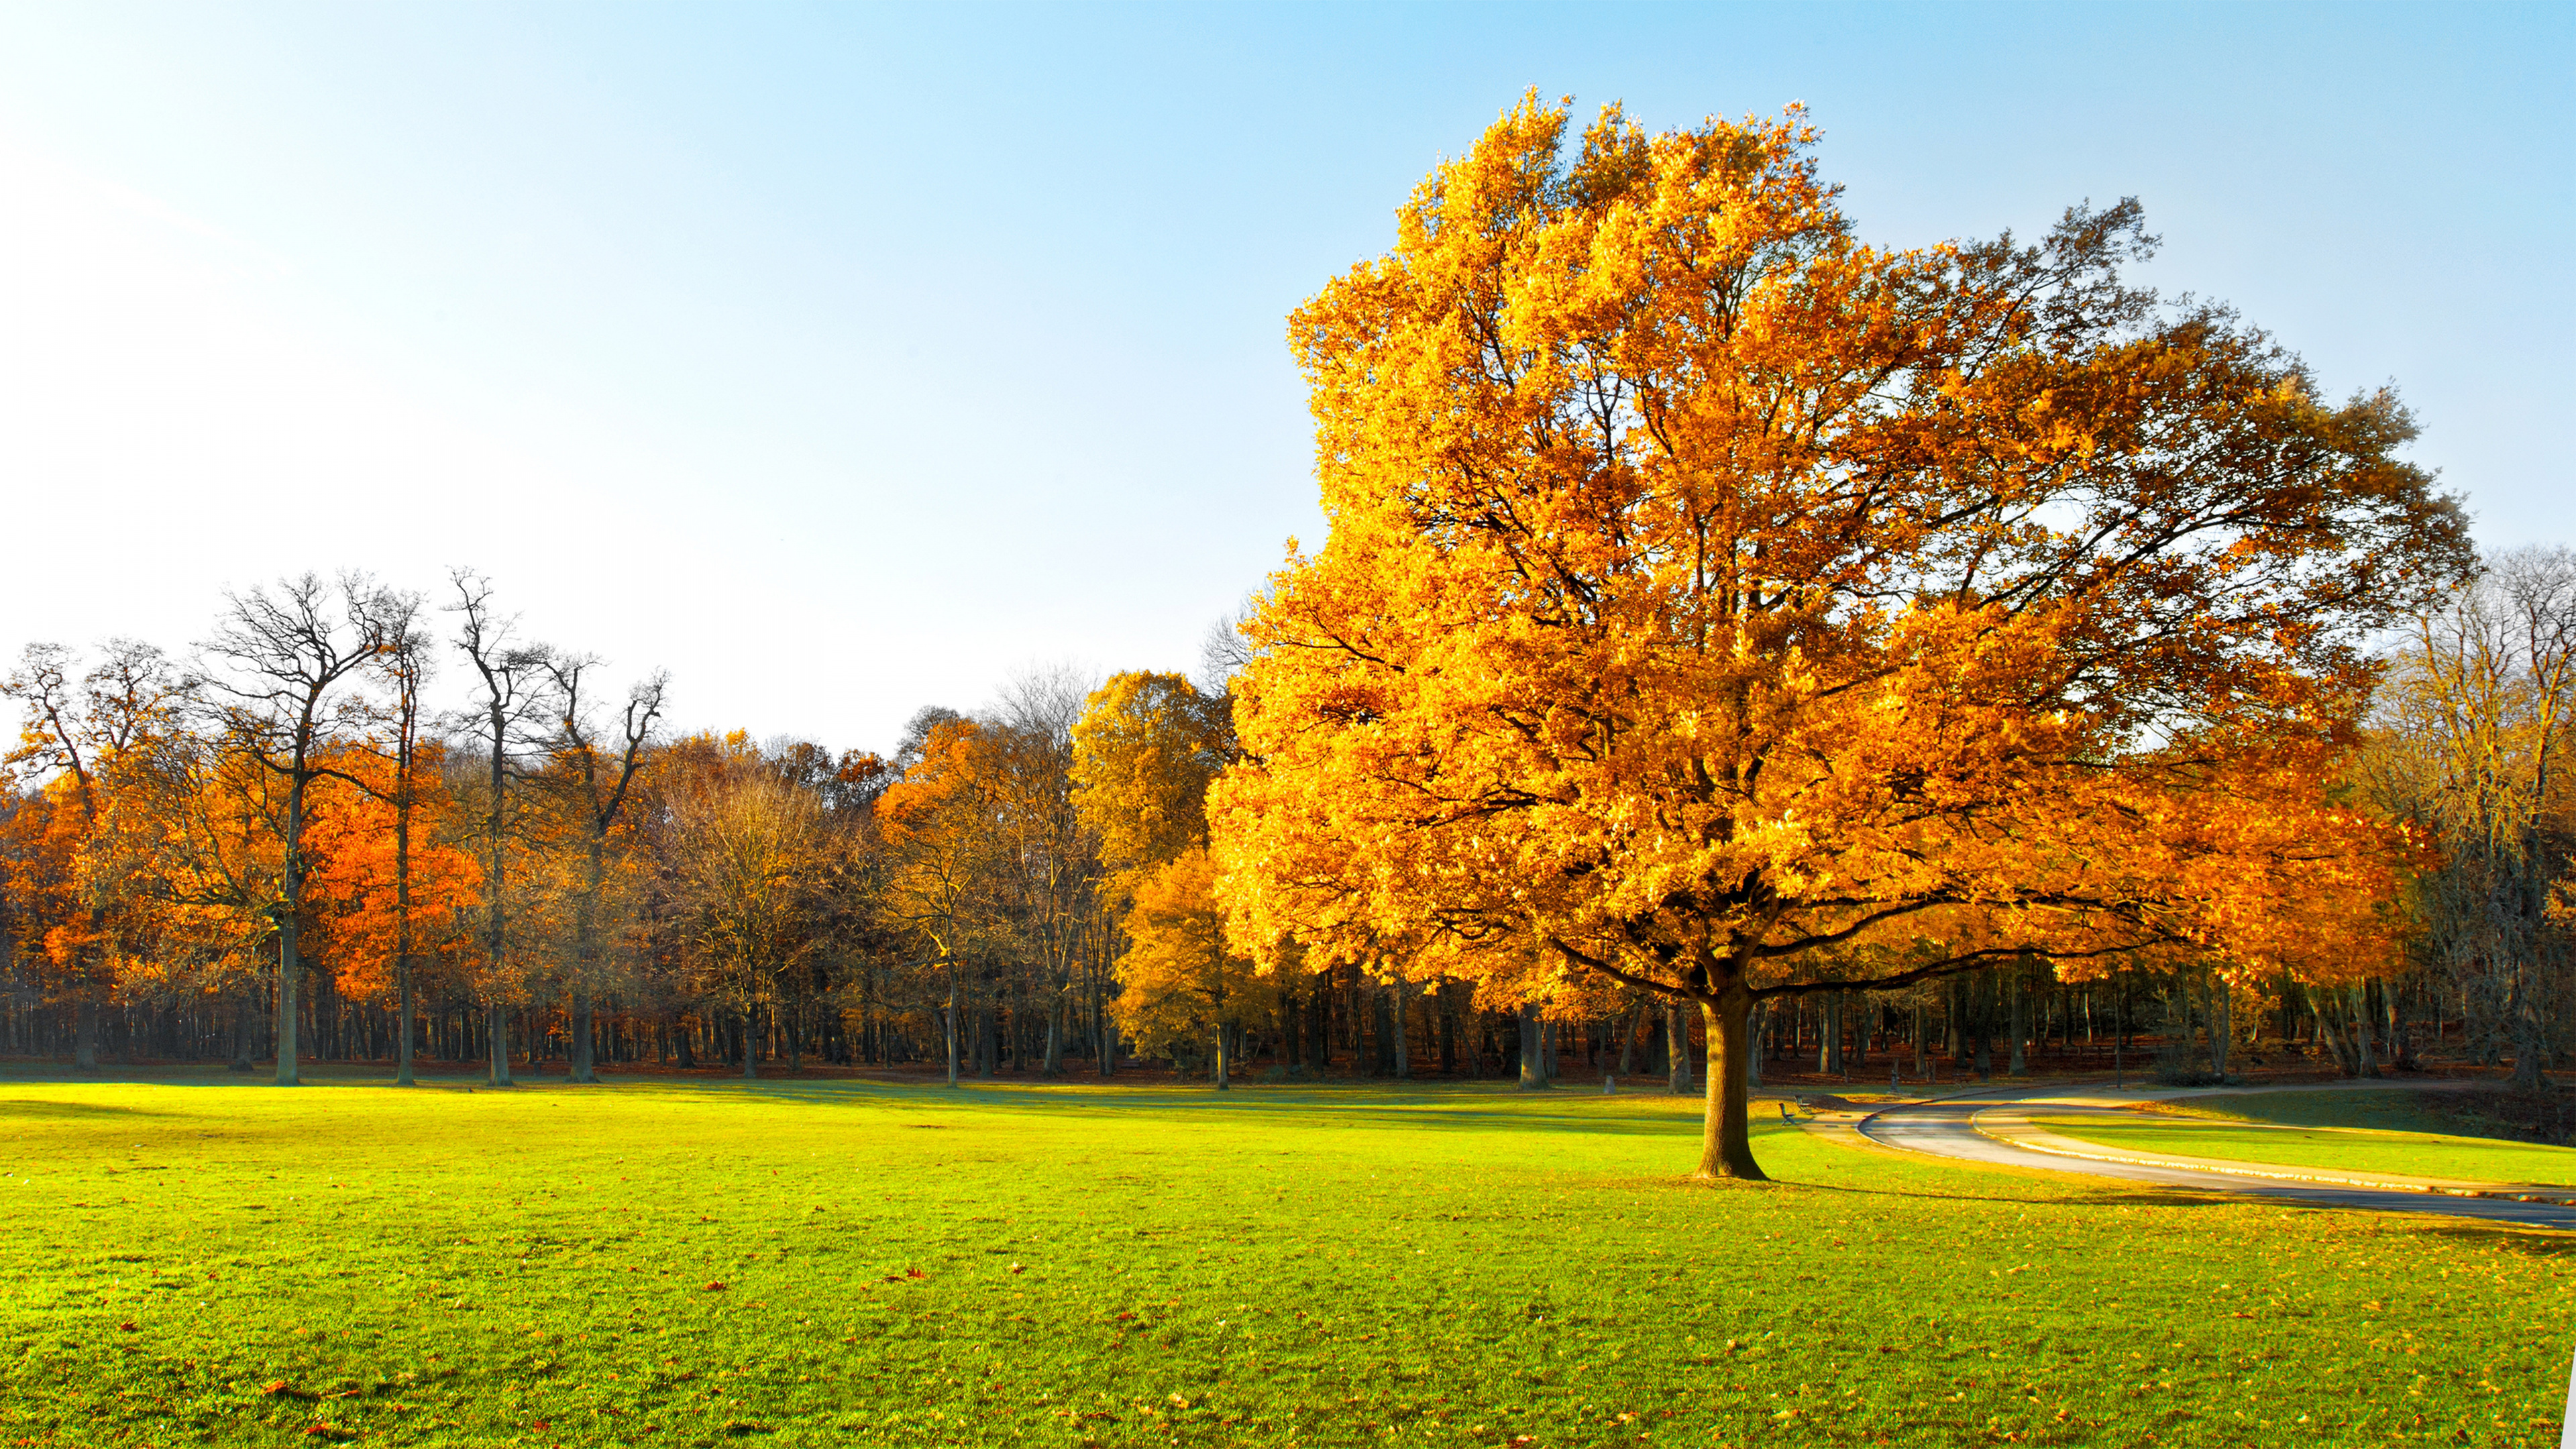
(820, 1264)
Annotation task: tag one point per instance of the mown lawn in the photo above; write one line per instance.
(2246, 1129)
(904, 1264)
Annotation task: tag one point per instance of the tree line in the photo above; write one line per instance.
(1734, 641)
(277, 851)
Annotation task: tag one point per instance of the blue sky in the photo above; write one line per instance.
(845, 360)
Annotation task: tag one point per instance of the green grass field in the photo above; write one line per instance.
(826, 1264)
(2243, 1136)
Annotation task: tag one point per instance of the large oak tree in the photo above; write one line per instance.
(1723, 607)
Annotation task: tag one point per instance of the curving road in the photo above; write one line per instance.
(1948, 1128)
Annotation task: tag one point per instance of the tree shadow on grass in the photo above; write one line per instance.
(2148, 1198)
(1371, 1105)
(36, 1108)
(2529, 1240)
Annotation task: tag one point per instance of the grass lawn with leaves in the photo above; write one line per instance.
(653, 1263)
(2358, 1131)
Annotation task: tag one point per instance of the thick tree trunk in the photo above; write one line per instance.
(750, 1045)
(85, 1031)
(1677, 1027)
(1224, 1077)
(496, 1028)
(1533, 1065)
(580, 1044)
(1726, 1133)
(2529, 1056)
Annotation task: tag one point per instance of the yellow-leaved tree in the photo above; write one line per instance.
(1144, 753)
(1726, 608)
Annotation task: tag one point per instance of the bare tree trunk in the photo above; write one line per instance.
(2221, 1025)
(1403, 1041)
(2366, 1063)
(2019, 1020)
(1533, 1068)
(1726, 1136)
(402, 1034)
(2529, 1055)
(496, 1027)
(952, 1022)
(1678, 1028)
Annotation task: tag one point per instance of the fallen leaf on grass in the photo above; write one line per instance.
(716, 1287)
(129, 1326)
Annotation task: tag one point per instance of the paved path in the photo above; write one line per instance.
(1951, 1128)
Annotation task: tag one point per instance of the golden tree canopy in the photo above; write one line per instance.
(1144, 753)
(1727, 606)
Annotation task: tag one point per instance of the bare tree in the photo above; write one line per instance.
(1223, 650)
(2477, 721)
(279, 660)
(403, 665)
(1052, 862)
(511, 694)
(596, 779)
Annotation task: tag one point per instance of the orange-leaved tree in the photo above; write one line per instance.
(1724, 607)
(78, 911)
(940, 844)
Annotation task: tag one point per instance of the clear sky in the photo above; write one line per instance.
(845, 359)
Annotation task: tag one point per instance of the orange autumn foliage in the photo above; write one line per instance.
(350, 891)
(1722, 607)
